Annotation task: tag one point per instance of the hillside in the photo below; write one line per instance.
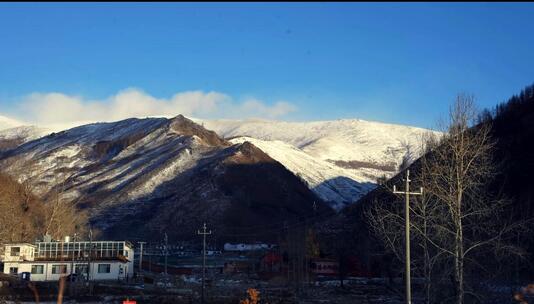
(156, 174)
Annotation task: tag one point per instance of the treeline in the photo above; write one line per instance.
(24, 217)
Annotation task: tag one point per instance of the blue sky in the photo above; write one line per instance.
(400, 63)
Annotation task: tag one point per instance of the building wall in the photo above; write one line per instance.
(130, 257)
(25, 260)
(325, 267)
(27, 252)
(47, 275)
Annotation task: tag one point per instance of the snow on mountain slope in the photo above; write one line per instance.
(144, 176)
(330, 182)
(368, 149)
(14, 137)
(8, 123)
(339, 160)
(26, 133)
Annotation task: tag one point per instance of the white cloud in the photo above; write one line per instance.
(280, 108)
(58, 110)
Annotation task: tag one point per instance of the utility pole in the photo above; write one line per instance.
(89, 261)
(204, 233)
(141, 256)
(72, 247)
(166, 251)
(407, 193)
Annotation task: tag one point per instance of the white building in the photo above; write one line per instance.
(48, 261)
(247, 247)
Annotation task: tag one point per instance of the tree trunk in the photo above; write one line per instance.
(459, 254)
(460, 273)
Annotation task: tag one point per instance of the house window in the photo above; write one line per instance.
(13, 270)
(15, 251)
(104, 268)
(80, 269)
(37, 269)
(59, 269)
(126, 253)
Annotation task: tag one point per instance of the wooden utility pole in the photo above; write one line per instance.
(407, 193)
(204, 233)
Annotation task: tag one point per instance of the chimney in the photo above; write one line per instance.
(67, 239)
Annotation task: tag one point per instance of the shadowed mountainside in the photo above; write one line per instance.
(140, 177)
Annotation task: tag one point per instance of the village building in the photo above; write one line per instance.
(247, 247)
(326, 267)
(51, 260)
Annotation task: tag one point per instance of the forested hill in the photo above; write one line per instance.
(513, 129)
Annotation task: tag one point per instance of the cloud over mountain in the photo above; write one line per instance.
(61, 110)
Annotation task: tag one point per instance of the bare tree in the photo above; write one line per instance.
(457, 174)
(457, 218)
(63, 217)
(22, 215)
(386, 219)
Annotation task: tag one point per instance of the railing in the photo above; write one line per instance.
(68, 258)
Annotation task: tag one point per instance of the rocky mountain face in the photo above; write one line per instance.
(141, 177)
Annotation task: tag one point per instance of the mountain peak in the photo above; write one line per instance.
(247, 152)
(185, 126)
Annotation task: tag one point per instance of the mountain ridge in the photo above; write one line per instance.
(149, 169)
(343, 152)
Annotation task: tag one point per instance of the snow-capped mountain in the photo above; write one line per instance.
(339, 160)
(354, 149)
(145, 175)
(332, 183)
(342, 140)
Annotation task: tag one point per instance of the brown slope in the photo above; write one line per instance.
(241, 193)
(140, 177)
